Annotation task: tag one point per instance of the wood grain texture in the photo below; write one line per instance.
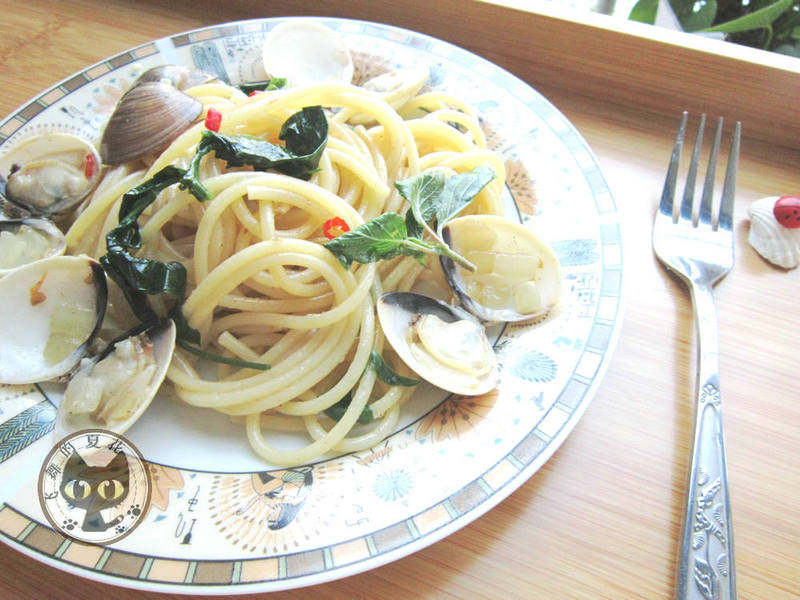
(600, 520)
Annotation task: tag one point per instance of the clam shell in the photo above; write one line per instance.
(49, 172)
(306, 53)
(163, 340)
(397, 311)
(776, 243)
(147, 118)
(515, 268)
(50, 311)
(57, 243)
(178, 76)
(396, 87)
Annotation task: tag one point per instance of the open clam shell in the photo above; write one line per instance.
(517, 278)
(49, 312)
(147, 119)
(50, 173)
(23, 241)
(305, 53)
(114, 389)
(440, 343)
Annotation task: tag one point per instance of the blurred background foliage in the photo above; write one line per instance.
(769, 24)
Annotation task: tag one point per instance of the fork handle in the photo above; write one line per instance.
(706, 565)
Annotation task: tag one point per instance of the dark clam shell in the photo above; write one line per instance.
(147, 119)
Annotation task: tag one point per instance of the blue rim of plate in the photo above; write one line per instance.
(476, 497)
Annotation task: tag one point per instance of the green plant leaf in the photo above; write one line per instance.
(386, 374)
(268, 85)
(381, 238)
(759, 19)
(422, 192)
(644, 11)
(413, 228)
(337, 411)
(694, 15)
(136, 200)
(236, 362)
(136, 276)
(459, 190)
(788, 49)
(305, 134)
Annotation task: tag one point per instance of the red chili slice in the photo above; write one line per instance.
(213, 119)
(89, 166)
(335, 227)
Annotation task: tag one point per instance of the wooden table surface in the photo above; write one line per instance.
(601, 519)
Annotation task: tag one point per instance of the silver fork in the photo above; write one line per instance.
(696, 243)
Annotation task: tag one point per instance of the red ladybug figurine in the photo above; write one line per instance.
(787, 211)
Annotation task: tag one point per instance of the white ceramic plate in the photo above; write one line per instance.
(210, 527)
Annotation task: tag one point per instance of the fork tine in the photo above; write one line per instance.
(708, 186)
(687, 204)
(729, 187)
(668, 194)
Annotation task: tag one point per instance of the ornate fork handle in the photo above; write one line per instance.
(705, 568)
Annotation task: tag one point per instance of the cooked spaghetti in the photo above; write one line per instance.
(261, 285)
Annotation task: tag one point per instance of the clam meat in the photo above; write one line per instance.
(50, 173)
(114, 389)
(146, 120)
(50, 310)
(305, 53)
(517, 278)
(440, 343)
(24, 241)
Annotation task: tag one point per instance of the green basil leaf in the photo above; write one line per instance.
(459, 190)
(755, 20)
(413, 228)
(183, 330)
(137, 277)
(268, 85)
(136, 299)
(386, 374)
(149, 276)
(422, 192)
(337, 411)
(136, 200)
(381, 238)
(236, 362)
(305, 134)
(644, 11)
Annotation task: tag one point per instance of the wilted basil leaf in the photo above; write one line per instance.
(305, 134)
(386, 374)
(337, 411)
(268, 85)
